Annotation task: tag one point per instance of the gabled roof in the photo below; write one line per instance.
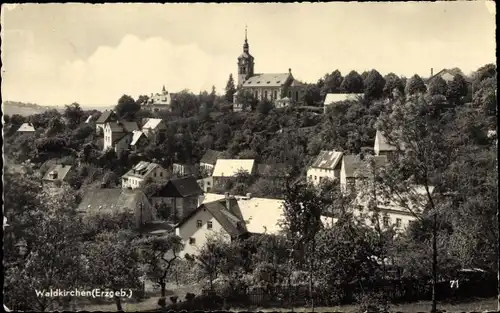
(448, 74)
(111, 200)
(141, 170)
(115, 127)
(211, 157)
(272, 170)
(354, 166)
(89, 119)
(180, 188)
(121, 136)
(129, 126)
(328, 160)
(152, 123)
(381, 143)
(61, 171)
(339, 97)
(106, 116)
(26, 127)
(230, 167)
(267, 80)
(136, 135)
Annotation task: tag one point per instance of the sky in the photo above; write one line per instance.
(56, 54)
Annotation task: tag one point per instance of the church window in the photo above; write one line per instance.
(275, 96)
(268, 82)
(289, 94)
(296, 96)
(258, 82)
(265, 94)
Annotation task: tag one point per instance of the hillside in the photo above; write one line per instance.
(27, 109)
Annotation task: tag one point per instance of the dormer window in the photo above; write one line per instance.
(258, 82)
(268, 82)
(278, 82)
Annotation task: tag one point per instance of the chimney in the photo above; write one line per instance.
(249, 195)
(290, 70)
(432, 71)
(228, 201)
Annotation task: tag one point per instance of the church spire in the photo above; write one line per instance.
(164, 89)
(245, 45)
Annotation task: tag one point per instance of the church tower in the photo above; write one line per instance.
(245, 63)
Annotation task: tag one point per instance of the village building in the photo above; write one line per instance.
(333, 98)
(282, 89)
(180, 195)
(57, 175)
(381, 146)
(106, 117)
(159, 102)
(89, 119)
(327, 165)
(154, 128)
(136, 177)
(139, 140)
(118, 135)
(206, 184)
(356, 169)
(230, 217)
(105, 201)
(26, 128)
(207, 162)
(182, 169)
(227, 170)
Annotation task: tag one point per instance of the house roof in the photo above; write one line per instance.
(211, 156)
(447, 74)
(267, 80)
(354, 166)
(141, 170)
(61, 170)
(111, 200)
(129, 126)
(381, 143)
(331, 98)
(89, 119)
(136, 135)
(26, 127)
(230, 167)
(115, 127)
(105, 117)
(152, 123)
(272, 170)
(180, 188)
(328, 159)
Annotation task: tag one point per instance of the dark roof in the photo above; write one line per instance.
(106, 116)
(180, 188)
(211, 156)
(111, 200)
(355, 166)
(272, 170)
(231, 220)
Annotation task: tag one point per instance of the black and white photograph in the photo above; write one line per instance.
(265, 157)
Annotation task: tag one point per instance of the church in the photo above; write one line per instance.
(280, 88)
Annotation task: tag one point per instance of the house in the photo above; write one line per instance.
(89, 119)
(181, 169)
(139, 140)
(278, 170)
(116, 200)
(141, 172)
(356, 168)
(327, 165)
(271, 86)
(334, 98)
(206, 184)
(381, 146)
(446, 74)
(159, 102)
(227, 169)
(183, 194)
(26, 128)
(154, 128)
(207, 162)
(118, 135)
(57, 173)
(106, 117)
(231, 217)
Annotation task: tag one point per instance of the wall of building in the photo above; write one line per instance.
(317, 175)
(158, 174)
(183, 206)
(200, 235)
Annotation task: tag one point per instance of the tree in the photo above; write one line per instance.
(483, 73)
(73, 114)
(332, 83)
(415, 85)
(123, 273)
(230, 89)
(312, 96)
(352, 83)
(158, 255)
(437, 86)
(127, 107)
(264, 106)
(374, 85)
(457, 89)
(393, 84)
(142, 99)
(247, 100)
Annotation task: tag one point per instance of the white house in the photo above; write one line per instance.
(143, 170)
(333, 98)
(105, 117)
(381, 146)
(229, 217)
(227, 169)
(118, 135)
(326, 166)
(153, 127)
(26, 128)
(209, 159)
(139, 139)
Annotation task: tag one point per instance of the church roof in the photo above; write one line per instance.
(245, 55)
(267, 80)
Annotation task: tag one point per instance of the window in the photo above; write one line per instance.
(208, 183)
(198, 224)
(315, 177)
(192, 241)
(398, 223)
(209, 225)
(161, 174)
(275, 94)
(310, 177)
(320, 179)
(386, 221)
(265, 94)
(296, 96)
(155, 174)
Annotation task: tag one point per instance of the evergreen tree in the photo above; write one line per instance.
(230, 89)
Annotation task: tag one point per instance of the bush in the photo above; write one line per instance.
(373, 301)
